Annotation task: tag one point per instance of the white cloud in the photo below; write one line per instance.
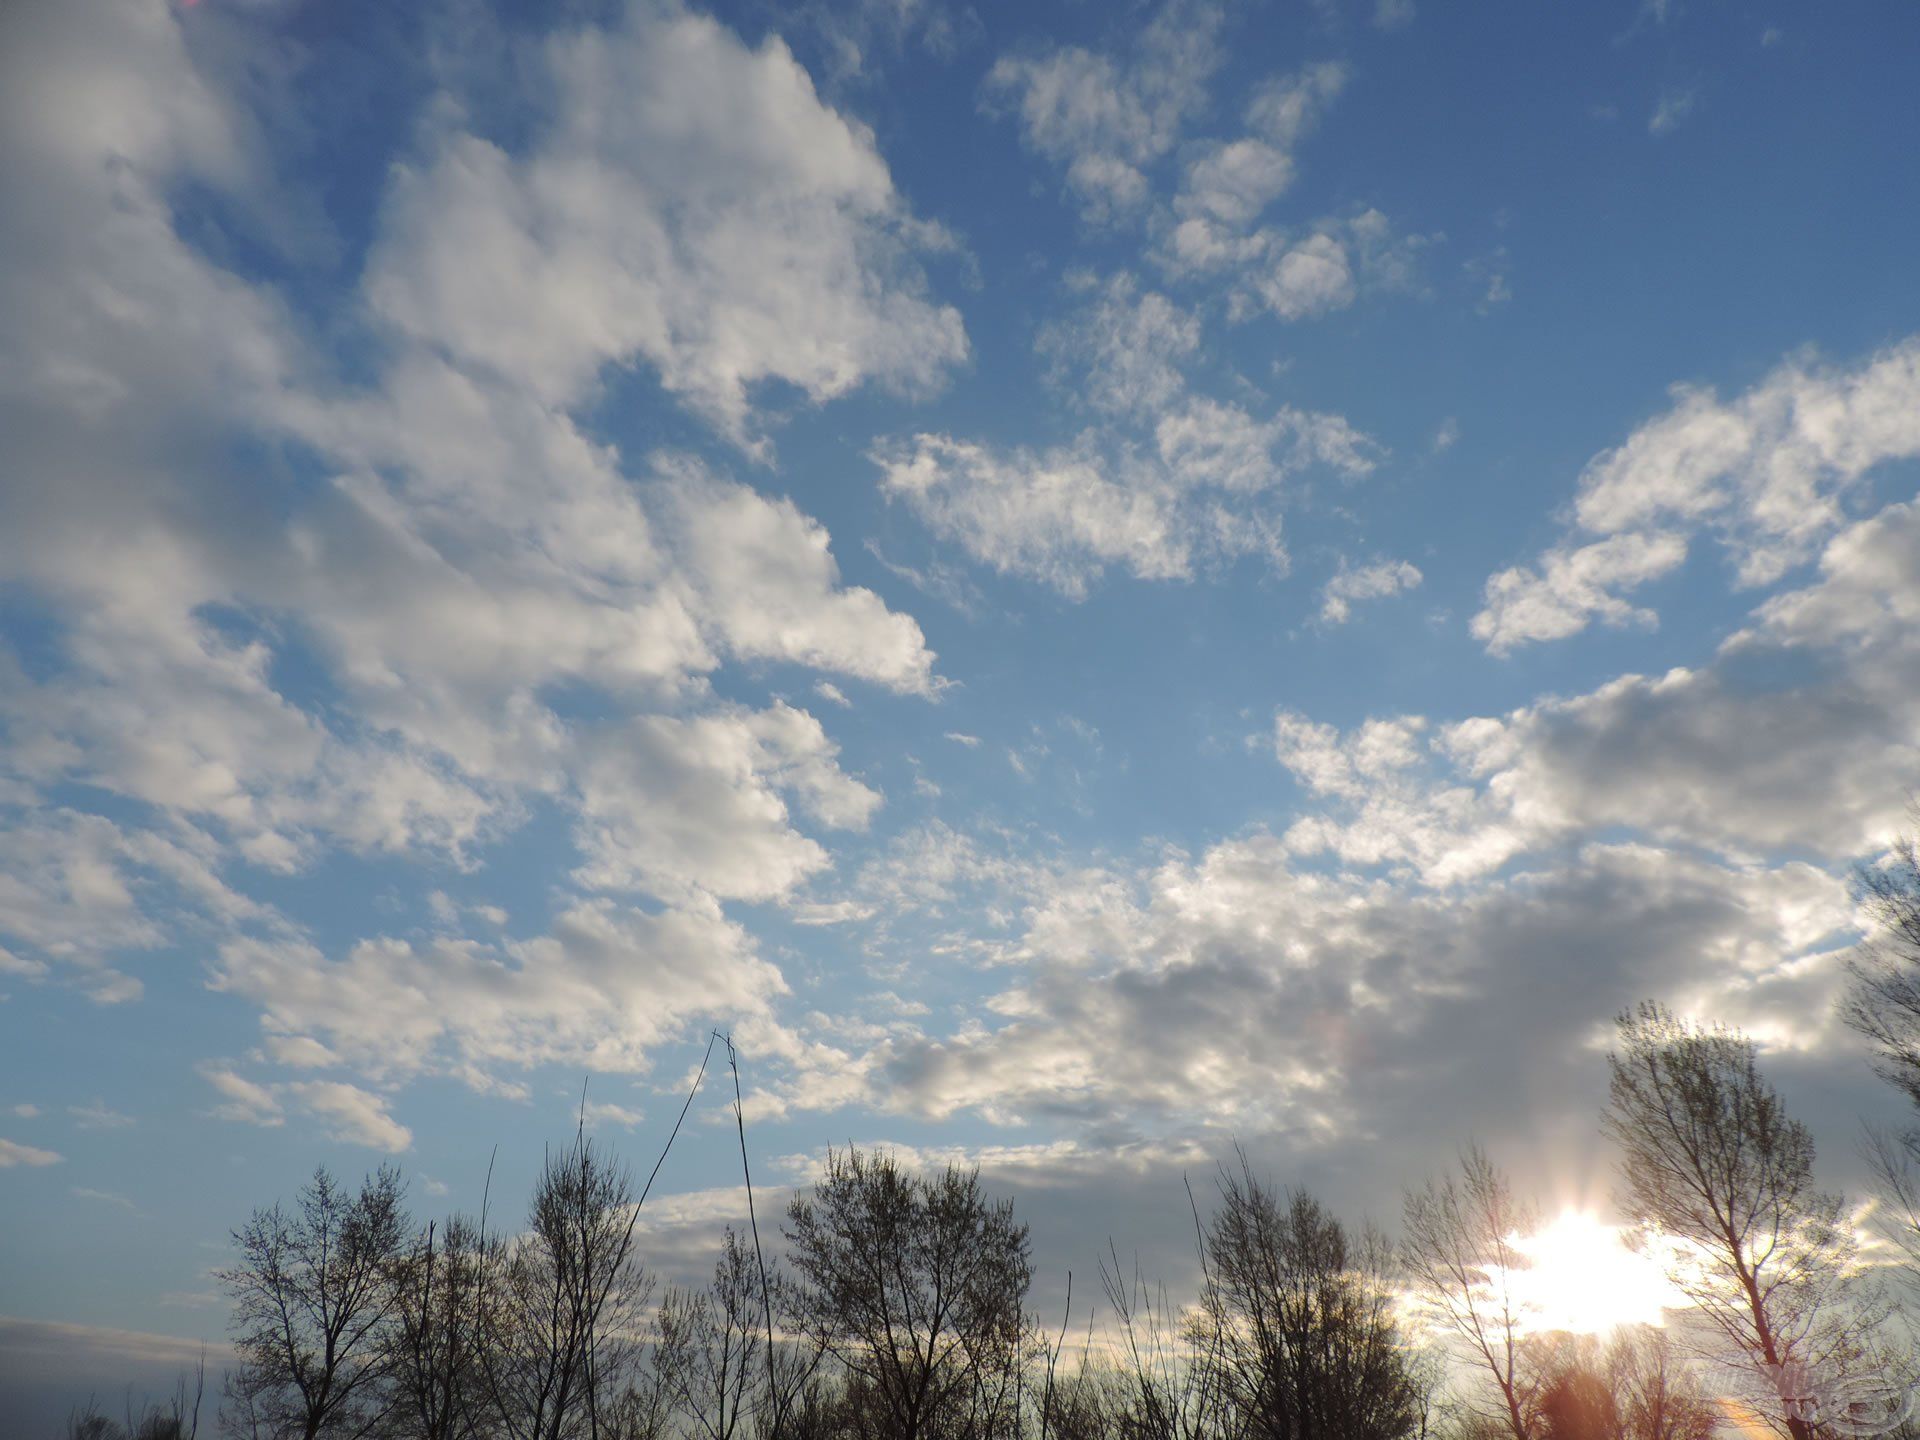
(1230, 184)
(1366, 582)
(274, 667)
(12, 1152)
(352, 1115)
(672, 806)
(600, 990)
(1298, 274)
(105, 1197)
(1129, 344)
(1393, 14)
(689, 202)
(1107, 119)
(1204, 495)
(1674, 106)
(346, 1112)
(1796, 736)
(1767, 474)
(1231, 993)
(1573, 586)
(1309, 278)
(605, 1112)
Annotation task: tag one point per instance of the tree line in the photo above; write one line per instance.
(896, 1304)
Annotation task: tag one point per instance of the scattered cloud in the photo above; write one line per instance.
(1126, 346)
(105, 1197)
(12, 1152)
(1107, 117)
(1671, 109)
(1768, 475)
(1393, 14)
(1203, 495)
(97, 1116)
(1572, 587)
(1366, 582)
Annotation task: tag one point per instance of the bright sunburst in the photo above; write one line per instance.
(1583, 1278)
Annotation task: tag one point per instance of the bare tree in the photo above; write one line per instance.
(1158, 1390)
(1630, 1385)
(1297, 1321)
(434, 1341)
(564, 1305)
(313, 1292)
(711, 1343)
(1883, 1001)
(916, 1286)
(1461, 1259)
(1711, 1159)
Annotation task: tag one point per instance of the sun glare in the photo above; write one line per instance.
(1583, 1278)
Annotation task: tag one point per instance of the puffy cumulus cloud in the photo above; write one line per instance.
(671, 806)
(1797, 735)
(1569, 587)
(1374, 581)
(292, 612)
(1234, 993)
(604, 986)
(769, 589)
(1109, 118)
(688, 202)
(1768, 474)
(1203, 490)
(1058, 517)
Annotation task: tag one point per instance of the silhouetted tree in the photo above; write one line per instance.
(1461, 1258)
(1630, 1386)
(916, 1287)
(1710, 1157)
(434, 1340)
(712, 1351)
(313, 1291)
(564, 1305)
(1297, 1321)
(1883, 1001)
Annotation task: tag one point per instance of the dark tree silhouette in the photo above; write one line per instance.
(1297, 1322)
(916, 1286)
(313, 1293)
(564, 1307)
(434, 1340)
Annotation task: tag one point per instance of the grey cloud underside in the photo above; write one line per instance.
(1455, 914)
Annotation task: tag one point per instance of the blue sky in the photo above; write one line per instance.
(1091, 581)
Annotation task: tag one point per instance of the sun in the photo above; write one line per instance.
(1584, 1279)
